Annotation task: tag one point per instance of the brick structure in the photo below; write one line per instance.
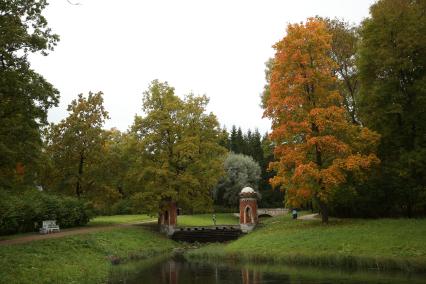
(167, 218)
(248, 209)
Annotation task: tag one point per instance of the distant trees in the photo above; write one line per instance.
(240, 171)
(316, 147)
(25, 96)
(260, 149)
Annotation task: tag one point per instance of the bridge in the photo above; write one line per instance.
(249, 218)
(268, 212)
(271, 212)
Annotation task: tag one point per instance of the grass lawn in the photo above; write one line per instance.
(380, 244)
(206, 219)
(119, 219)
(78, 259)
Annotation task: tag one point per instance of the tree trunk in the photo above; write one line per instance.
(324, 211)
(80, 174)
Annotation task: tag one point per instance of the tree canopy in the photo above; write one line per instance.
(180, 157)
(75, 146)
(392, 101)
(240, 171)
(316, 146)
(25, 96)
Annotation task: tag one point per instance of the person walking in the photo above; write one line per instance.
(294, 213)
(214, 219)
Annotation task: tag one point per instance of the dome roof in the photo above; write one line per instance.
(247, 190)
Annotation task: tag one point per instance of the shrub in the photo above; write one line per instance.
(122, 207)
(25, 211)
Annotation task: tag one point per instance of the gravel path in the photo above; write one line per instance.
(66, 232)
(309, 217)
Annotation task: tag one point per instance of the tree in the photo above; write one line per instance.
(315, 146)
(392, 60)
(180, 155)
(25, 96)
(240, 171)
(344, 43)
(225, 140)
(76, 144)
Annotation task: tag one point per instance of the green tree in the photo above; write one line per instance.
(225, 139)
(344, 43)
(392, 60)
(76, 145)
(180, 155)
(25, 96)
(240, 171)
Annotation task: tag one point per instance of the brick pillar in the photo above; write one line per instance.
(167, 218)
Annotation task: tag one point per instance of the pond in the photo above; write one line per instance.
(173, 270)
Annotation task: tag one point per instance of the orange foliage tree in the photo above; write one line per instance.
(316, 148)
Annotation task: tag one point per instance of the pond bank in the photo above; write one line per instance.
(384, 244)
(79, 259)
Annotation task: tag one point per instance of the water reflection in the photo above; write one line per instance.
(177, 270)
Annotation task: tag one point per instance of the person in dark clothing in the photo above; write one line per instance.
(294, 213)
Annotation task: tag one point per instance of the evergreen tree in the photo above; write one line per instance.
(239, 142)
(225, 139)
(233, 139)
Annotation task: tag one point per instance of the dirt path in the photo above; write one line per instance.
(66, 232)
(309, 217)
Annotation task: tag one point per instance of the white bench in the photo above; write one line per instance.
(49, 226)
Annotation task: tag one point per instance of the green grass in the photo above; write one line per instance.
(78, 259)
(206, 219)
(118, 219)
(379, 244)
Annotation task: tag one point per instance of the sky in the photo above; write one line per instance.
(217, 48)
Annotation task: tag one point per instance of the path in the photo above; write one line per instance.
(67, 232)
(309, 217)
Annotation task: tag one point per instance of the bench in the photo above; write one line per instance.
(49, 226)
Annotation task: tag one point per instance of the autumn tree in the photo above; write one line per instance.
(179, 154)
(315, 146)
(25, 96)
(76, 145)
(392, 60)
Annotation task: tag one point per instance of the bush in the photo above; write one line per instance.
(25, 211)
(122, 207)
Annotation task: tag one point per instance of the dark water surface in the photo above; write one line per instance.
(178, 270)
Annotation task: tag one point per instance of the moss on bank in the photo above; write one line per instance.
(387, 244)
(78, 259)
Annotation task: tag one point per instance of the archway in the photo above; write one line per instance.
(166, 218)
(248, 215)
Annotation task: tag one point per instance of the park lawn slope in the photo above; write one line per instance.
(206, 219)
(119, 219)
(383, 244)
(78, 259)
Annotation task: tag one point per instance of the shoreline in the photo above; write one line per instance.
(348, 262)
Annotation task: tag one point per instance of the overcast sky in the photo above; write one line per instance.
(217, 48)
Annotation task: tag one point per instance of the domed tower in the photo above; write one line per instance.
(248, 209)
